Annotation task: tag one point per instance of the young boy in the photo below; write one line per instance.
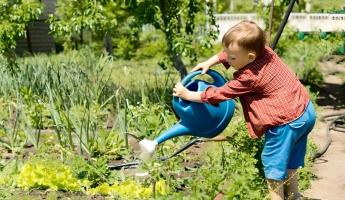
(275, 103)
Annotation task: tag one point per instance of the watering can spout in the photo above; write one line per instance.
(176, 130)
(149, 146)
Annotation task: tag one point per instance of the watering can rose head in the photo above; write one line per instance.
(196, 119)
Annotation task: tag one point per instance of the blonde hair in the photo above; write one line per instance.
(248, 35)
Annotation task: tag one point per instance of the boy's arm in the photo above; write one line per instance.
(237, 87)
(223, 58)
(214, 60)
(204, 66)
(242, 84)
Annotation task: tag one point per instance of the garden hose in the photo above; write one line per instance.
(335, 122)
(184, 147)
(135, 163)
(193, 141)
(126, 165)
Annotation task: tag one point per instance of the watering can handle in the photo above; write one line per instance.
(219, 80)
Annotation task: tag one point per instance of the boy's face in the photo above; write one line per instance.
(239, 57)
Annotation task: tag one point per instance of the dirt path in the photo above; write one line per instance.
(329, 169)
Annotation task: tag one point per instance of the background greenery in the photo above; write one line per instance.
(71, 113)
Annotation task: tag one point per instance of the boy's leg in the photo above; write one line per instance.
(284, 149)
(296, 161)
(276, 189)
(298, 151)
(275, 158)
(291, 185)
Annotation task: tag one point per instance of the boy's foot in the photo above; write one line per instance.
(219, 196)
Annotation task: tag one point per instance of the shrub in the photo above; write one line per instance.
(124, 48)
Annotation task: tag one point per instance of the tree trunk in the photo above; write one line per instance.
(107, 44)
(175, 56)
(81, 36)
(28, 39)
(179, 65)
(169, 36)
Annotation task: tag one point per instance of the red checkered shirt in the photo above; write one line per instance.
(270, 93)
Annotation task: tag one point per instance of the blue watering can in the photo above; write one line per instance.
(197, 119)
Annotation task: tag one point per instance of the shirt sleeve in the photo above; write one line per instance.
(232, 89)
(223, 58)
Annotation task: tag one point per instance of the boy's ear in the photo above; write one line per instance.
(251, 56)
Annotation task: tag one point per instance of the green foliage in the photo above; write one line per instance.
(152, 44)
(125, 48)
(306, 174)
(111, 144)
(177, 20)
(150, 50)
(82, 89)
(246, 180)
(280, 7)
(71, 94)
(9, 173)
(93, 172)
(35, 115)
(288, 37)
(231, 167)
(313, 96)
(242, 142)
(126, 39)
(75, 95)
(12, 134)
(98, 17)
(14, 19)
(129, 189)
(149, 120)
(311, 75)
(46, 174)
(304, 56)
(235, 6)
(205, 53)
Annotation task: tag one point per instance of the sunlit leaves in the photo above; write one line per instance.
(74, 16)
(14, 17)
(53, 175)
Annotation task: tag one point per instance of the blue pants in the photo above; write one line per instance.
(285, 145)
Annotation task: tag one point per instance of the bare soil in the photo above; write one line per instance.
(329, 169)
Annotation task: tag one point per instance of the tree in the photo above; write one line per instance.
(100, 17)
(177, 20)
(15, 16)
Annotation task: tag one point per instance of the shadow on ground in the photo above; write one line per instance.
(332, 95)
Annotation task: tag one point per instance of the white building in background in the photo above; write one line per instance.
(226, 21)
(302, 22)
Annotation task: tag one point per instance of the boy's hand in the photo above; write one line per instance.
(204, 66)
(180, 91)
